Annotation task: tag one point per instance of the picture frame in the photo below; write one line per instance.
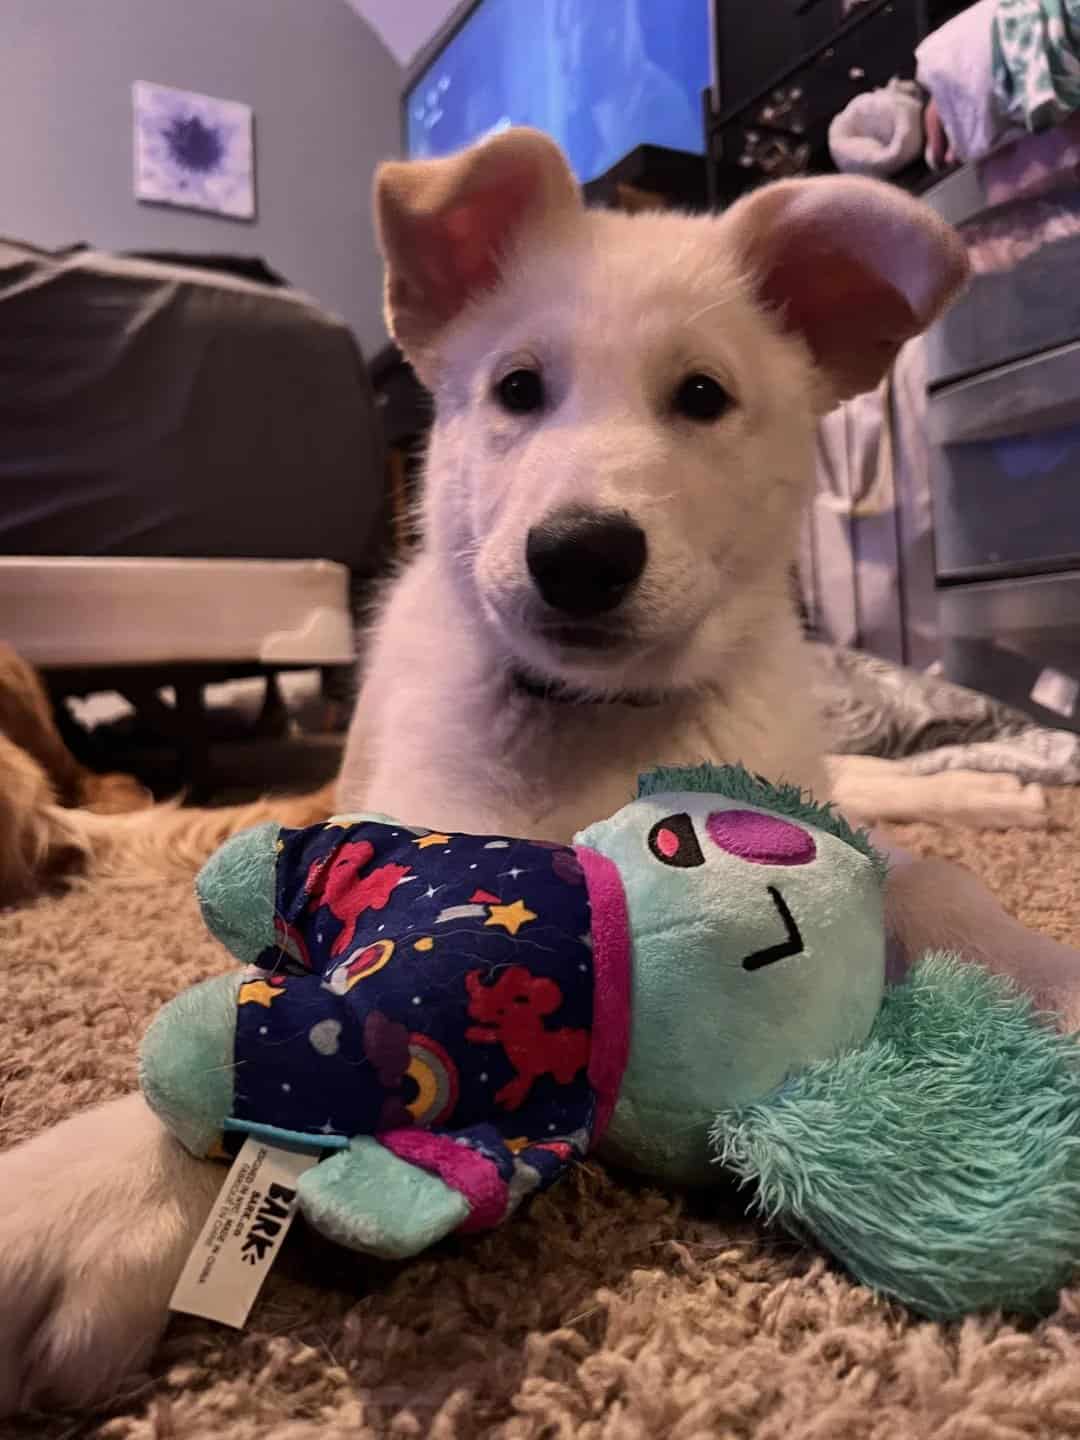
(193, 151)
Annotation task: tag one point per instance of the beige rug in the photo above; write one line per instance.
(610, 1311)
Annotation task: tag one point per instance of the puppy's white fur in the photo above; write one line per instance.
(493, 265)
(713, 631)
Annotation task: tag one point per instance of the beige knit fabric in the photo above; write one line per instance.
(611, 1312)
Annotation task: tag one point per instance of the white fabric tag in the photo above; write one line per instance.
(238, 1243)
(1055, 691)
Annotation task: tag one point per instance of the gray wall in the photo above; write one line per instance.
(325, 94)
(406, 25)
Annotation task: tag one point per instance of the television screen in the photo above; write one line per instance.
(601, 76)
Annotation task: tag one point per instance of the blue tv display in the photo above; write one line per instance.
(601, 76)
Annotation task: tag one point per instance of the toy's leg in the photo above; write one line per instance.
(936, 905)
(369, 1199)
(187, 1060)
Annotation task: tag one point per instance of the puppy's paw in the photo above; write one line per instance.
(97, 1220)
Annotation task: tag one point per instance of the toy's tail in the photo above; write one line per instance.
(940, 1162)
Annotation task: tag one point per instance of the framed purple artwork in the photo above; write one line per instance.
(194, 151)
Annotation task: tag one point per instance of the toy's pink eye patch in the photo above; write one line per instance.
(760, 839)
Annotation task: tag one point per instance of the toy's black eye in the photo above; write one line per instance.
(521, 392)
(701, 398)
(673, 842)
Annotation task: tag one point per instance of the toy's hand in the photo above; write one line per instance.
(369, 1199)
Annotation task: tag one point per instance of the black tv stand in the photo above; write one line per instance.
(652, 175)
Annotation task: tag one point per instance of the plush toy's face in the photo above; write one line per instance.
(758, 946)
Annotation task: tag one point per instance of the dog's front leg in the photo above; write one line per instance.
(97, 1219)
(938, 905)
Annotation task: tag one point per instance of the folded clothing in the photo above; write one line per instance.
(1036, 61)
(956, 65)
(880, 132)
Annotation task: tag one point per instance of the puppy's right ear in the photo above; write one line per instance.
(446, 226)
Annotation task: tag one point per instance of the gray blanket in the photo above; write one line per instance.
(873, 707)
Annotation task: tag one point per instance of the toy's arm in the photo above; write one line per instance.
(238, 886)
(396, 1195)
(236, 891)
(186, 1062)
(368, 1199)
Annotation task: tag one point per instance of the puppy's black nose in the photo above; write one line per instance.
(584, 562)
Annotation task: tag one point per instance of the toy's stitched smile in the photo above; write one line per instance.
(793, 945)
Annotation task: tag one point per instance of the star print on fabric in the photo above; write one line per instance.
(459, 912)
(380, 927)
(511, 917)
(258, 992)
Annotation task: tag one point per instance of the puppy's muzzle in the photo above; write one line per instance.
(585, 562)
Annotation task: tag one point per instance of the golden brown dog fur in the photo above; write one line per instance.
(53, 809)
(38, 777)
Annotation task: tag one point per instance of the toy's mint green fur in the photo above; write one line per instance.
(930, 1139)
(368, 1199)
(735, 782)
(706, 1033)
(236, 888)
(186, 1062)
(941, 1160)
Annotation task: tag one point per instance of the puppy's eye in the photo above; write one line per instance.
(701, 398)
(521, 392)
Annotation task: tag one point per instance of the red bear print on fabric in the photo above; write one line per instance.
(514, 1009)
(332, 881)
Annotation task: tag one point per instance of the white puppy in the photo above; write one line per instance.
(626, 410)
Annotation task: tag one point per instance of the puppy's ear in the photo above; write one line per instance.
(857, 267)
(445, 227)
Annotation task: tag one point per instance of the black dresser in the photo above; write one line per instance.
(798, 63)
